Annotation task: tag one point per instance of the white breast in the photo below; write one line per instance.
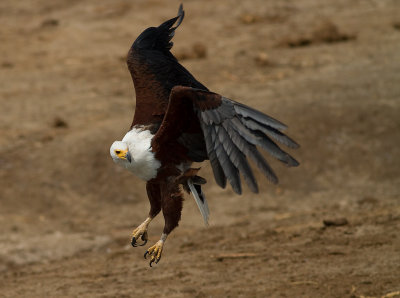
(143, 164)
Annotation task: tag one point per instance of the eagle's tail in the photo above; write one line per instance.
(200, 199)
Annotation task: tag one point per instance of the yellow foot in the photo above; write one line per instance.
(155, 252)
(140, 233)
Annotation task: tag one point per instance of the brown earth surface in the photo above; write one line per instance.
(328, 69)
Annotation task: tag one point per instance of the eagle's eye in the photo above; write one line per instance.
(117, 151)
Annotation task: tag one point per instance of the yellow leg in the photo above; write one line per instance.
(155, 251)
(141, 232)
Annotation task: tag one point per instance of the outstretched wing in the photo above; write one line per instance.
(155, 71)
(232, 131)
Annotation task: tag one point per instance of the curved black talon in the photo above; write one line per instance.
(133, 242)
(151, 262)
(144, 238)
(145, 254)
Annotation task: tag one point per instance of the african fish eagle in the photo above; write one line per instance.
(178, 121)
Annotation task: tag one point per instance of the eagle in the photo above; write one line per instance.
(177, 122)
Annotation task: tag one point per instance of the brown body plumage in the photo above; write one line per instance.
(184, 123)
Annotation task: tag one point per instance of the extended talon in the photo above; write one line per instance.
(155, 252)
(144, 238)
(154, 260)
(140, 233)
(133, 242)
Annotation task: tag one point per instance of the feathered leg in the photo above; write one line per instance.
(154, 194)
(172, 202)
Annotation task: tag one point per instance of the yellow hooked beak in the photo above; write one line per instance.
(123, 154)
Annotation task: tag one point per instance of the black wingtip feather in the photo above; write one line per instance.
(159, 38)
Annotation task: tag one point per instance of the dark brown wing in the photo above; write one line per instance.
(155, 71)
(231, 133)
(148, 57)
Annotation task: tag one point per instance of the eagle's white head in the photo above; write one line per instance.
(119, 152)
(134, 153)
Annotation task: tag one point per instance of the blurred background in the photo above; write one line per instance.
(330, 70)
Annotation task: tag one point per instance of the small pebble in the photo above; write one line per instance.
(336, 222)
(60, 123)
(262, 59)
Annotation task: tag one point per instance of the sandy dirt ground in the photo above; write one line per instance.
(328, 69)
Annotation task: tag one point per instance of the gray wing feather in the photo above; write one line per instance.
(238, 158)
(270, 131)
(246, 111)
(200, 201)
(231, 132)
(258, 138)
(210, 137)
(251, 151)
(230, 171)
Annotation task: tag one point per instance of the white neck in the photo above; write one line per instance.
(143, 164)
